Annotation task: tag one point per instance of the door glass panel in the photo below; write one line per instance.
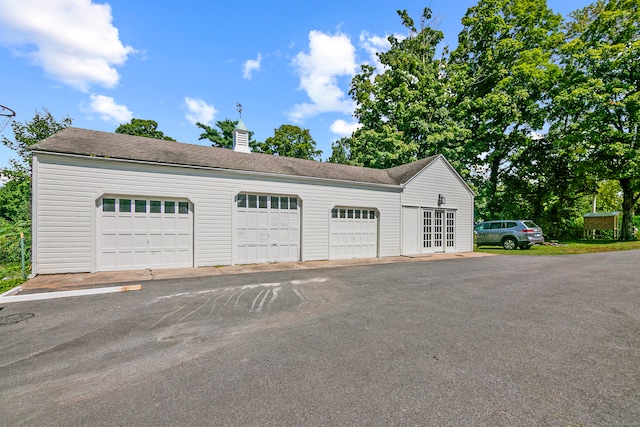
(293, 203)
(169, 207)
(155, 206)
(242, 200)
(183, 207)
(141, 206)
(108, 205)
(253, 201)
(125, 205)
(275, 202)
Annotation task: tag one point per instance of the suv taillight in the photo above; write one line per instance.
(528, 230)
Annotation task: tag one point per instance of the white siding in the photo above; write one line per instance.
(438, 178)
(68, 187)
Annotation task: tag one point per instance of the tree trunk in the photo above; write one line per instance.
(628, 200)
(492, 205)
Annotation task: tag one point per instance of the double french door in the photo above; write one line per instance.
(438, 230)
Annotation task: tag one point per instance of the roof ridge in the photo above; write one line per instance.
(94, 143)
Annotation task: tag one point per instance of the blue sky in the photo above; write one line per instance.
(103, 63)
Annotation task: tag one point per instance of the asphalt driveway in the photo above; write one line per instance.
(552, 341)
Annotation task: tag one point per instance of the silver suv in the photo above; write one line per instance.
(509, 233)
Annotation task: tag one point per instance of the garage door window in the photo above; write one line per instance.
(108, 205)
(125, 205)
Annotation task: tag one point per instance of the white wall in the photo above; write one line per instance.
(423, 190)
(66, 190)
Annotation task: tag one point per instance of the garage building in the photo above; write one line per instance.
(106, 202)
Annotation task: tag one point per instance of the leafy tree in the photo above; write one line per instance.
(340, 151)
(504, 69)
(289, 141)
(15, 196)
(219, 138)
(597, 105)
(405, 107)
(141, 127)
(223, 137)
(42, 126)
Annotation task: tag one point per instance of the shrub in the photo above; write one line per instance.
(10, 242)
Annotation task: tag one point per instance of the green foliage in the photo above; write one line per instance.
(26, 134)
(597, 100)
(10, 242)
(9, 283)
(405, 108)
(141, 127)
(289, 141)
(505, 71)
(15, 196)
(223, 137)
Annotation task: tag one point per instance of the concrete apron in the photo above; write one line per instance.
(73, 281)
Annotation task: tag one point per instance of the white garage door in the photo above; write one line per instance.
(354, 233)
(267, 228)
(139, 233)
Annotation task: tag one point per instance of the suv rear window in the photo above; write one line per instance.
(530, 224)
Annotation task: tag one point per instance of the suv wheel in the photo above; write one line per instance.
(509, 243)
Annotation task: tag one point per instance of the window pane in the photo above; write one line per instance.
(125, 205)
(372, 214)
(293, 203)
(358, 213)
(170, 207)
(155, 206)
(183, 207)
(242, 200)
(334, 213)
(262, 202)
(275, 202)
(343, 213)
(141, 205)
(253, 201)
(284, 203)
(108, 205)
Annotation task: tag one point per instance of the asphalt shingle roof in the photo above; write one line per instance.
(126, 147)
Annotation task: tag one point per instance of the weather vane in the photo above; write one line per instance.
(239, 107)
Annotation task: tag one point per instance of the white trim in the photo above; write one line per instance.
(34, 216)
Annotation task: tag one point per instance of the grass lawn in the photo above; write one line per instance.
(566, 248)
(10, 277)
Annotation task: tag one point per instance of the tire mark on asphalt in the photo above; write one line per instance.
(170, 314)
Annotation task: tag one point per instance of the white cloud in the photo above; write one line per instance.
(250, 66)
(342, 128)
(373, 44)
(199, 111)
(329, 57)
(108, 109)
(74, 41)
